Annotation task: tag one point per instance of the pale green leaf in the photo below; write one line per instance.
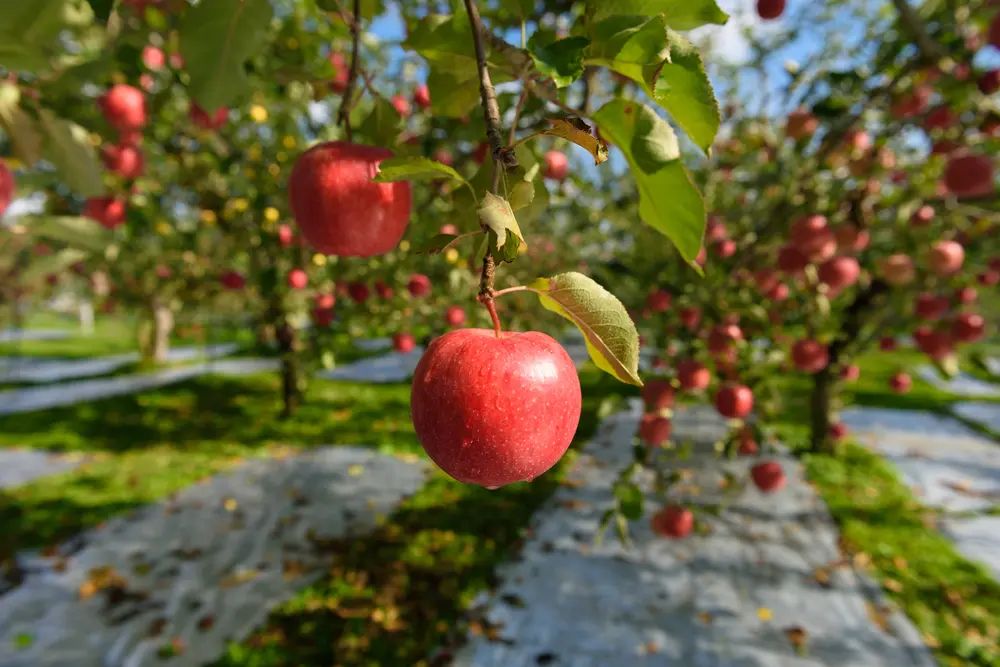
(19, 126)
(382, 125)
(216, 40)
(415, 169)
(505, 235)
(611, 336)
(522, 193)
(560, 59)
(42, 267)
(454, 94)
(78, 232)
(29, 31)
(668, 201)
(67, 145)
(679, 14)
(682, 88)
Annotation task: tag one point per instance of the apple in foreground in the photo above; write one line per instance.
(493, 410)
(337, 206)
(673, 522)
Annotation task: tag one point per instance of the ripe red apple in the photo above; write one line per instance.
(359, 292)
(734, 401)
(993, 34)
(556, 166)
(480, 153)
(715, 229)
(988, 278)
(298, 279)
(801, 124)
(233, 280)
(658, 395)
(969, 175)
(341, 72)
(325, 300)
(454, 316)
(940, 118)
(887, 344)
(108, 211)
(654, 430)
(850, 373)
(898, 269)
(422, 96)
(673, 522)
(968, 327)
(768, 476)
(748, 446)
(124, 107)
(779, 292)
(403, 343)
(285, 235)
(936, 344)
(322, 317)
(765, 279)
(206, 121)
(125, 160)
(721, 338)
(966, 295)
(858, 140)
(443, 155)
(900, 383)
(493, 410)
(402, 105)
(449, 229)
(693, 376)
(989, 82)
(338, 208)
(6, 187)
(813, 236)
(946, 257)
(810, 356)
(701, 257)
(770, 9)
(839, 273)
(930, 306)
(922, 216)
(838, 430)
(419, 285)
(725, 248)
(659, 301)
(690, 317)
(852, 238)
(153, 58)
(383, 290)
(791, 260)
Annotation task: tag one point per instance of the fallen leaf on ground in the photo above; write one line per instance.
(765, 614)
(799, 638)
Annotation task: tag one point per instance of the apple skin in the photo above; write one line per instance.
(801, 124)
(969, 175)
(989, 82)
(966, 295)
(326, 300)
(298, 279)
(108, 211)
(495, 410)
(850, 373)
(673, 522)
(993, 34)
(693, 376)
(770, 9)
(901, 383)
(968, 327)
(659, 301)
(768, 476)
(946, 257)
(233, 280)
(153, 58)
(658, 395)
(402, 105)
(887, 344)
(690, 317)
(359, 292)
(125, 160)
(322, 317)
(403, 343)
(422, 96)
(338, 208)
(930, 307)
(838, 431)
(734, 401)
(810, 356)
(124, 107)
(556, 166)
(813, 236)
(454, 316)
(6, 187)
(839, 273)
(791, 260)
(898, 270)
(654, 430)
(419, 285)
(206, 121)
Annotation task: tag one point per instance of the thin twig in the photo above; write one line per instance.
(517, 115)
(346, 101)
(908, 16)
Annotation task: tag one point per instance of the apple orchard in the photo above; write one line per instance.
(279, 161)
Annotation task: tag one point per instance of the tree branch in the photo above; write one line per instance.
(346, 101)
(909, 18)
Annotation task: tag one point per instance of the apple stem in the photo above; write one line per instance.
(518, 288)
(493, 315)
(344, 113)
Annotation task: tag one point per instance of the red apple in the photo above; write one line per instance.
(206, 121)
(233, 280)
(779, 292)
(898, 269)
(322, 317)
(887, 344)
(940, 118)
(108, 211)
(556, 166)
(715, 229)
(659, 301)
(989, 82)
(946, 257)
(153, 58)
(443, 155)
(693, 376)
(852, 238)
(988, 278)
(125, 160)
(359, 292)
(124, 107)
(285, 235)
(900, 383)
(813, 236)
(673, 522)
(838, 430)
(969, 175)
(402, 105)
(858, 140)
(734, 401)
(654, 430)
(325, 300)
(403, 343)
(810, 356)
(298, 279)
(839, 272)
(748, 446)
(801, 124)
(341, 72)
(690, 317)
(966, 295)
(725, 248)
(993, 34)
(383, 290)
(480, 153)
(968, 327)
(658, 395)
(701, 257)
(6, 187)
(338, 208)
(721, 338)
(931, 307)
(765, 279)
(454, 316)
(419, 285)
(791, 260)
(770, 9)
(493, 410)
(422, 96)
(850, 373)
(768, 476)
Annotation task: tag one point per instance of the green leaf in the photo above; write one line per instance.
(453, 95)
(42, 267)
(102, 9)
(29, 31)
(612, 340)
(561, 59)
(78, 232)
(630, 499)
(521, 195)
(668, 201)
(621, 528)
(216, 39)
(679, 14)
(415, 169)
(577, 131)
(505, 236)
(19, 126)
(382, 124)
(445, 41)
(436, 244)
(67, 146)
(369, 8)
(682, 88)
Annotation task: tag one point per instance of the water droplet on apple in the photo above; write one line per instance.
(491, 488)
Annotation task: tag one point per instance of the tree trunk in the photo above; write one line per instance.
(290, 393)
(819, 411)
(154, 333)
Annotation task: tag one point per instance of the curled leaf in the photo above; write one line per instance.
(505, 235)
(579, 133)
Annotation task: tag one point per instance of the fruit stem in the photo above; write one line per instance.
(344, 114)
(518, 288)
(493, 315)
